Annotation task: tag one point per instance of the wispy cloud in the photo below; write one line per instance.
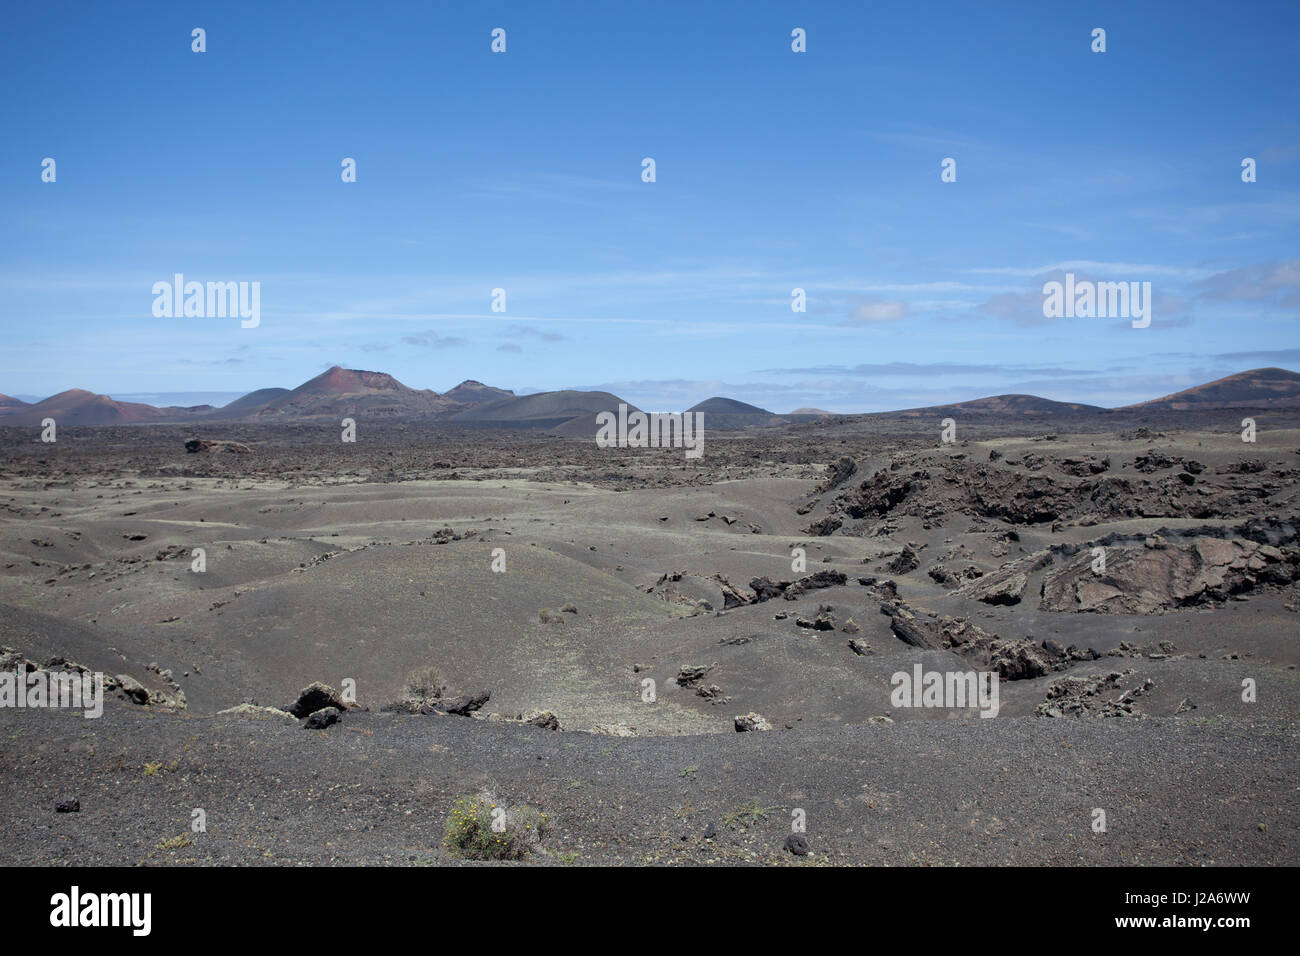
(432, 340)
(1110, 269)
(878, 310)
(1276, 283)
(527, 331)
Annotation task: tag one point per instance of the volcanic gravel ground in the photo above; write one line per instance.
(367, 562)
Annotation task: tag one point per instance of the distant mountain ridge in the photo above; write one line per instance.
(76, 406)
(1004, 406)
(344, 392)
(717, 405)
(340, 392)
(1257, 388)
(541, 410)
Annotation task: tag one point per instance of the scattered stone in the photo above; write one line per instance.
(691, 674)
(1083, 696)
(824, 621)
(320, 719)
(136, 692)
(1155, 461)
(797, 844)
(736, 641)
(256, 712)
(942, 575)
(905, 562)
(1012, 659)
(765, 589)
(732, 596)
(751, 721)
(546, 720)
(461, 706)
(72, 805)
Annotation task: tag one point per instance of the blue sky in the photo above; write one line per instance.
(775, 170)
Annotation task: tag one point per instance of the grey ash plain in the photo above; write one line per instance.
(328, 561)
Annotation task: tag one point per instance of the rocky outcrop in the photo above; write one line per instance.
(766, 589)
(1039, 489)
(316, 696)
(461, 706)
(732, 596)
(1007, 584)
(905, 561)
(1010, 658)
(1161, 575)
(841, 471)
(1091, 696)
(166, 694)
(686, 590)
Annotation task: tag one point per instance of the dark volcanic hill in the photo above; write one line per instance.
(1258, 388)
(728, 414)
(342, 392)
(542, 410)
(727, 406)
(471, 392)
(77, 406)
(1004, 406)
(8, 403)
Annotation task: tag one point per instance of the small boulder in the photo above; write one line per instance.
(905, 562)
(320, 719)
(461, 706)
(797, 844)
(751, 721)
(546, 720)
(136, 692)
